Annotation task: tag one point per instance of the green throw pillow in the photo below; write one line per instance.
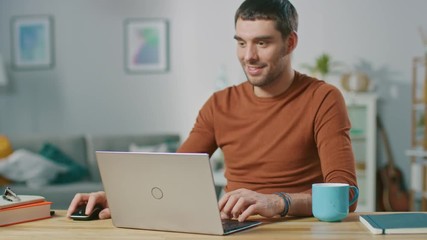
(75, 171)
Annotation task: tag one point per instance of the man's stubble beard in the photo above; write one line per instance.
(263, 81)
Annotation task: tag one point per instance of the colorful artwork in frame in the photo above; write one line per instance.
(146, 45)
(32, 42)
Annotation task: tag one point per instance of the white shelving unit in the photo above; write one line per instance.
(362, 110)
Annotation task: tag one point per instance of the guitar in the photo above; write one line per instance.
(391, 192)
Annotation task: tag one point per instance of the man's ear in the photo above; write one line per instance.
(292, 42)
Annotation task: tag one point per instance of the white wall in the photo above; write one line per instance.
(88, 90)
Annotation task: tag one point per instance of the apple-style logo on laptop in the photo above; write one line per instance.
(157, 193)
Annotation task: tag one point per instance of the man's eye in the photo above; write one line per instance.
(241, 44)
(262, 44)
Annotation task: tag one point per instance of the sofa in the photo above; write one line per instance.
(81, 149)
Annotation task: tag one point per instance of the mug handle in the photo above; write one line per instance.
(356, 195)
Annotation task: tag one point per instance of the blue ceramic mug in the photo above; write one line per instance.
(330, 201)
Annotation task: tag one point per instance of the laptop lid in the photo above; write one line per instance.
(160, 191)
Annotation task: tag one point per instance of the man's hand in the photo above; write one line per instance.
(243, 203)
(90, 199)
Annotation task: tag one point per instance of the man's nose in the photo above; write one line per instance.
(251, 53)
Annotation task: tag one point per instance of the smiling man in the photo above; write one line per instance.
(280, 131)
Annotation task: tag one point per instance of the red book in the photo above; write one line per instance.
(24, 213)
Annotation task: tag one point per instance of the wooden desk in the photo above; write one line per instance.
(60, 227)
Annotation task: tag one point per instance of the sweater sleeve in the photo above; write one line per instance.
(332, 134)
(202, 137)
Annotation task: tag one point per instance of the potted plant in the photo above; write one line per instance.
(322, 67)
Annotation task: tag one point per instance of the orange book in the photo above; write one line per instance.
(25, 213)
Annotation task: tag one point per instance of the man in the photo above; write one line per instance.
(280, 132)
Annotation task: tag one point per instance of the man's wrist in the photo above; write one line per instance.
(286, 202)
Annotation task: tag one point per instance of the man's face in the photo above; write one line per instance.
(261, 50)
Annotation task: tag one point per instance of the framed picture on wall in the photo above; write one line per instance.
(146, 45)
(32, 42)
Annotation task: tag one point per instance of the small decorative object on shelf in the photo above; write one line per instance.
(327, 69)
(323, 66)
(355, 82)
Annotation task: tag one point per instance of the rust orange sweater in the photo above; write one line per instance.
(284, 143)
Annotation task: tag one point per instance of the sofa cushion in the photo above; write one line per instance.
(122, 143)
(162, 147)
(74, 171)
(30, 168)
(5, 146)
(5, 150)
(72, 146)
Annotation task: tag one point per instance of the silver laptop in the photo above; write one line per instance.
(163, 191)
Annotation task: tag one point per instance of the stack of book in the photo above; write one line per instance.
(23, 208)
